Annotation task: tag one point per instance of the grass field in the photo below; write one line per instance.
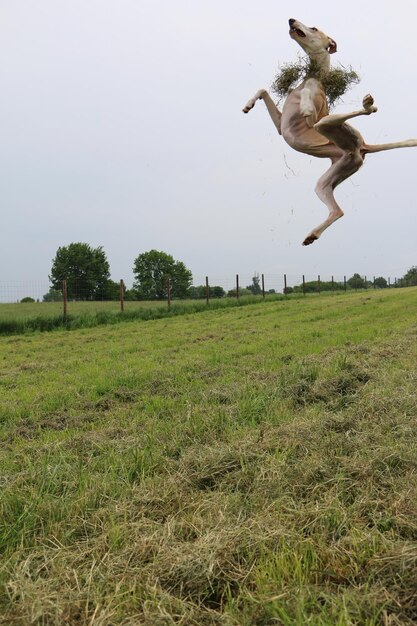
(29, 310)
(46, 316)
(243, 466)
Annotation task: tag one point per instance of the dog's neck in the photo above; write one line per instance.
(322, 60)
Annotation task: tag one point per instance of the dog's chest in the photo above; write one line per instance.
(306, 100)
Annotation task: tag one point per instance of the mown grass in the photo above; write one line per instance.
(245, 466)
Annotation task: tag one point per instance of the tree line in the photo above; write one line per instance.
(86, 271)
(354, 282)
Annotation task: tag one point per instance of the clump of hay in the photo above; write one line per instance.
(336, 81)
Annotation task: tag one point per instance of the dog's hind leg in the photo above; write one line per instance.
(380, 147)
(349, 142)
(341, 169)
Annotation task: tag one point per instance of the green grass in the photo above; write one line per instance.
(30, 310)
(245, 466)
(24, 318)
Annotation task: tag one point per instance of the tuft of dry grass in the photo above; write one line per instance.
(335, 81)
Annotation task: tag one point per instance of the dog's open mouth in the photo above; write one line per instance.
(297, 31)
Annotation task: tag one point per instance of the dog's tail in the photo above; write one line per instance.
(380, 147)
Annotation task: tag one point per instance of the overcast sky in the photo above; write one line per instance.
(121, 126)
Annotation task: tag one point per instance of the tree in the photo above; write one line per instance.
(255, 287)
(153, 269)
(356, 282)
(380, 282)
(410, 278)
(111, 291)
(131, 294)
(85, 269)
(217, 292)
(53, 295)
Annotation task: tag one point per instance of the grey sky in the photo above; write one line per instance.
(121, 126)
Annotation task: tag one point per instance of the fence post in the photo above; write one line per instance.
(366, 283)
(285, 284)
(389, 282)
(65, 299)
(332, 283)
(374, 283)
(344, 282)
(263, 286)
(237, 286)
(207, 290)
(169, 292)
(122, 295)
(318, 283)
(304, 285)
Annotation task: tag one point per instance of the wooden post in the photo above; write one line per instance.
(65, 298)
(237, 286)
(122, 295)
(366, 283)
(207, 290)
(318, 283)
(304, 285)
(344, 281)
(374, 283)
(169, 292)
(332, 283)
(263, 286)
(389, 282)
(285, 284)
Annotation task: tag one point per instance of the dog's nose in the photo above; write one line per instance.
(291, 21)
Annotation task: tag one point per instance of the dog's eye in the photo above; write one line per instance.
(314, 28)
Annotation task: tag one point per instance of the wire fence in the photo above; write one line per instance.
(203, 288)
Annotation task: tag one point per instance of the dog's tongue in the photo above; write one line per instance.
(299, 32)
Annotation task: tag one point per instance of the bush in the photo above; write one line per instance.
(53, 295)
(27, 299)
(242, 292)
(199, 292)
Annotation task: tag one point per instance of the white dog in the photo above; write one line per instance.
(306, 125)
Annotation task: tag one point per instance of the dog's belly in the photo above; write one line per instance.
(305, 139)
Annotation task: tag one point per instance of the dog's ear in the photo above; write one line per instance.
(332, 47)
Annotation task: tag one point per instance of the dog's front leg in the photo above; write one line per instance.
(273, 110)
(310, 99)
(307, 108)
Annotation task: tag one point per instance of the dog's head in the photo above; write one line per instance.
(311, 39)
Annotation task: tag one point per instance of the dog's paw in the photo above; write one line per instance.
(249, 105)
(311, 238)
(367, 101)
(368, 104)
